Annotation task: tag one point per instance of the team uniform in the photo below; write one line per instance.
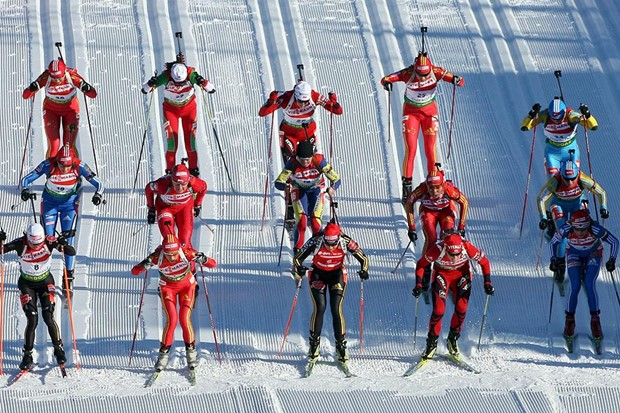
(298, 106)
(176, 199)
(451, 275)
(560, 129)
(420, 111)
(584, 252)
(179, 105)
(328, 272)
(177, 286)
(61, 107)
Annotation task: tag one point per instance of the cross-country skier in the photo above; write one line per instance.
(37, 286)
(438, 199)
(179, 106)
(175, 199)
(451, 275)
(298, 106)
(307, 172)
(328, 272)
(176, 266)
(61, 197)
(560, 128)
(584, 239)
(61, 107)
(419, 111)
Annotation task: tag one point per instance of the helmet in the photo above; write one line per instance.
(569, 169)
(453, 243)
(331, 233)
(180, 174)
(57, 68)
(422, 64)
(303, 91)
(580, 219)
(305, 149)
(170, 243)
(435, 178)
(178, 72)
(65, 156)
(557, 109)
(35, 233)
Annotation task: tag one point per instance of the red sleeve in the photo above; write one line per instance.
(478, 256)
(155, 187)
(442, 74)
(190, 253)
(267, 109)
(402, 75)
(431, 255)
(280, 104)
(199, 186)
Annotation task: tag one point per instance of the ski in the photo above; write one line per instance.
(344, 367)
(570, 343)
(192, 376)
(152, 378)
(415, 367)
(597, 342)
(457, 360)
(310, 366)
(18, 376)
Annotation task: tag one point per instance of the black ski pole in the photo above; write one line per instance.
(21, 169)
(92, 139)
(300, 70)
(179, 36)
(58, 46)
(423, 29)
(217, 140)
(33, 196)
(558, 75)
(146, 128)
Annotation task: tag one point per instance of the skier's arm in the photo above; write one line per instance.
(42, 168)
(357, 252)
(545, 193)
(281, 180)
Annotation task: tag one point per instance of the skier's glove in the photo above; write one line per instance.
(197, 210)
(62, 241)
(68, 233)
(208, 87)
(152, 81)
(488, 288)
(152, 214)
(604, 213)
(534, 111)
(85, 87)
(140, 268)
(585, 111)
(558, 265)
(387, 86)
(273, 97)
(417, 290)
(458, 80)
(363, 274)
(611, 264)
(25, 194)
(33, 87)
(543, 224)
(461, 232)
(2, 236)
(301, 270)
(97, 198)
(201, 258)
(333, 97)
(413, 236)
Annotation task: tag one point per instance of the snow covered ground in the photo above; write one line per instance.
(507, 51)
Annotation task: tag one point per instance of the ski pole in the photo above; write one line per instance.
(551, 300)
(2, 269)
(451, 121)
(333, 206)
(146, 128)
(415, 322)
(611, 274)
(68, 298)
(361, 315)
(21, 201)
(33, 196)
(401, 257)
(135, 330)
(484, 317)
(217, 139)
(585, 134)
(205, 223)
(529, 173)
(389, 117)
(180, 57)
(92, 138)
(558, 75)
(267, 171)
(217, 346)
(290, 317)
(331, 137)
(21, 169)
(538, 256)
(287, 197)
(140, 229)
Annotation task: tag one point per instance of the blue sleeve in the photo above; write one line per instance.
(90, 176)
(557, 239)
(608, 237)
(43, 168)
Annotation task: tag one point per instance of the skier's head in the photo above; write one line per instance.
(35, 235)
(303, 91)
(557, 109)
(178, 72)
(305, 150)
(435, 178)
(331, 234)
(57, 68)
(170, 244)
(569, 169)
(580, 220)
(180, 174)
(453, 243)
(65, 156)
(422, 65)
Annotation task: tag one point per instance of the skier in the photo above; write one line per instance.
(61, 197)
(179, 105)
(451, 274)
(584, 238)
(560, 129)
(175, 199)
(419, 111)
(176, 265)
(36, 285)
(298, 124)
(561, 196)
(61, 107)
(438, 199)
(328, 271)
(307, 188)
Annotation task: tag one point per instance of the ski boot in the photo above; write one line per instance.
(407, 188)
(162, 358)
(195, 172)
(191, 355)
(59, 353)
(315, 343)
(558, 277)
(431, 347)
(569, 325)
(595, 326)
(453, 346)
(341, 351)
(27, 360)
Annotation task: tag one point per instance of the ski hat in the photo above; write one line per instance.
(178, 72)
(35, 233)
(170, 243)
(65, 156)
(580, 219)
(435, 178)
(422, 64)
(453, 243)
(557, 109)
(331, 234)
(569, 169)
(303, 91)
(57, 68)
(305, 150)
(180, 174)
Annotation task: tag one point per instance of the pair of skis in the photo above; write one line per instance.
(597, 343)
(153, 377)
(24, 372)
(342, 365)
(455, 359)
